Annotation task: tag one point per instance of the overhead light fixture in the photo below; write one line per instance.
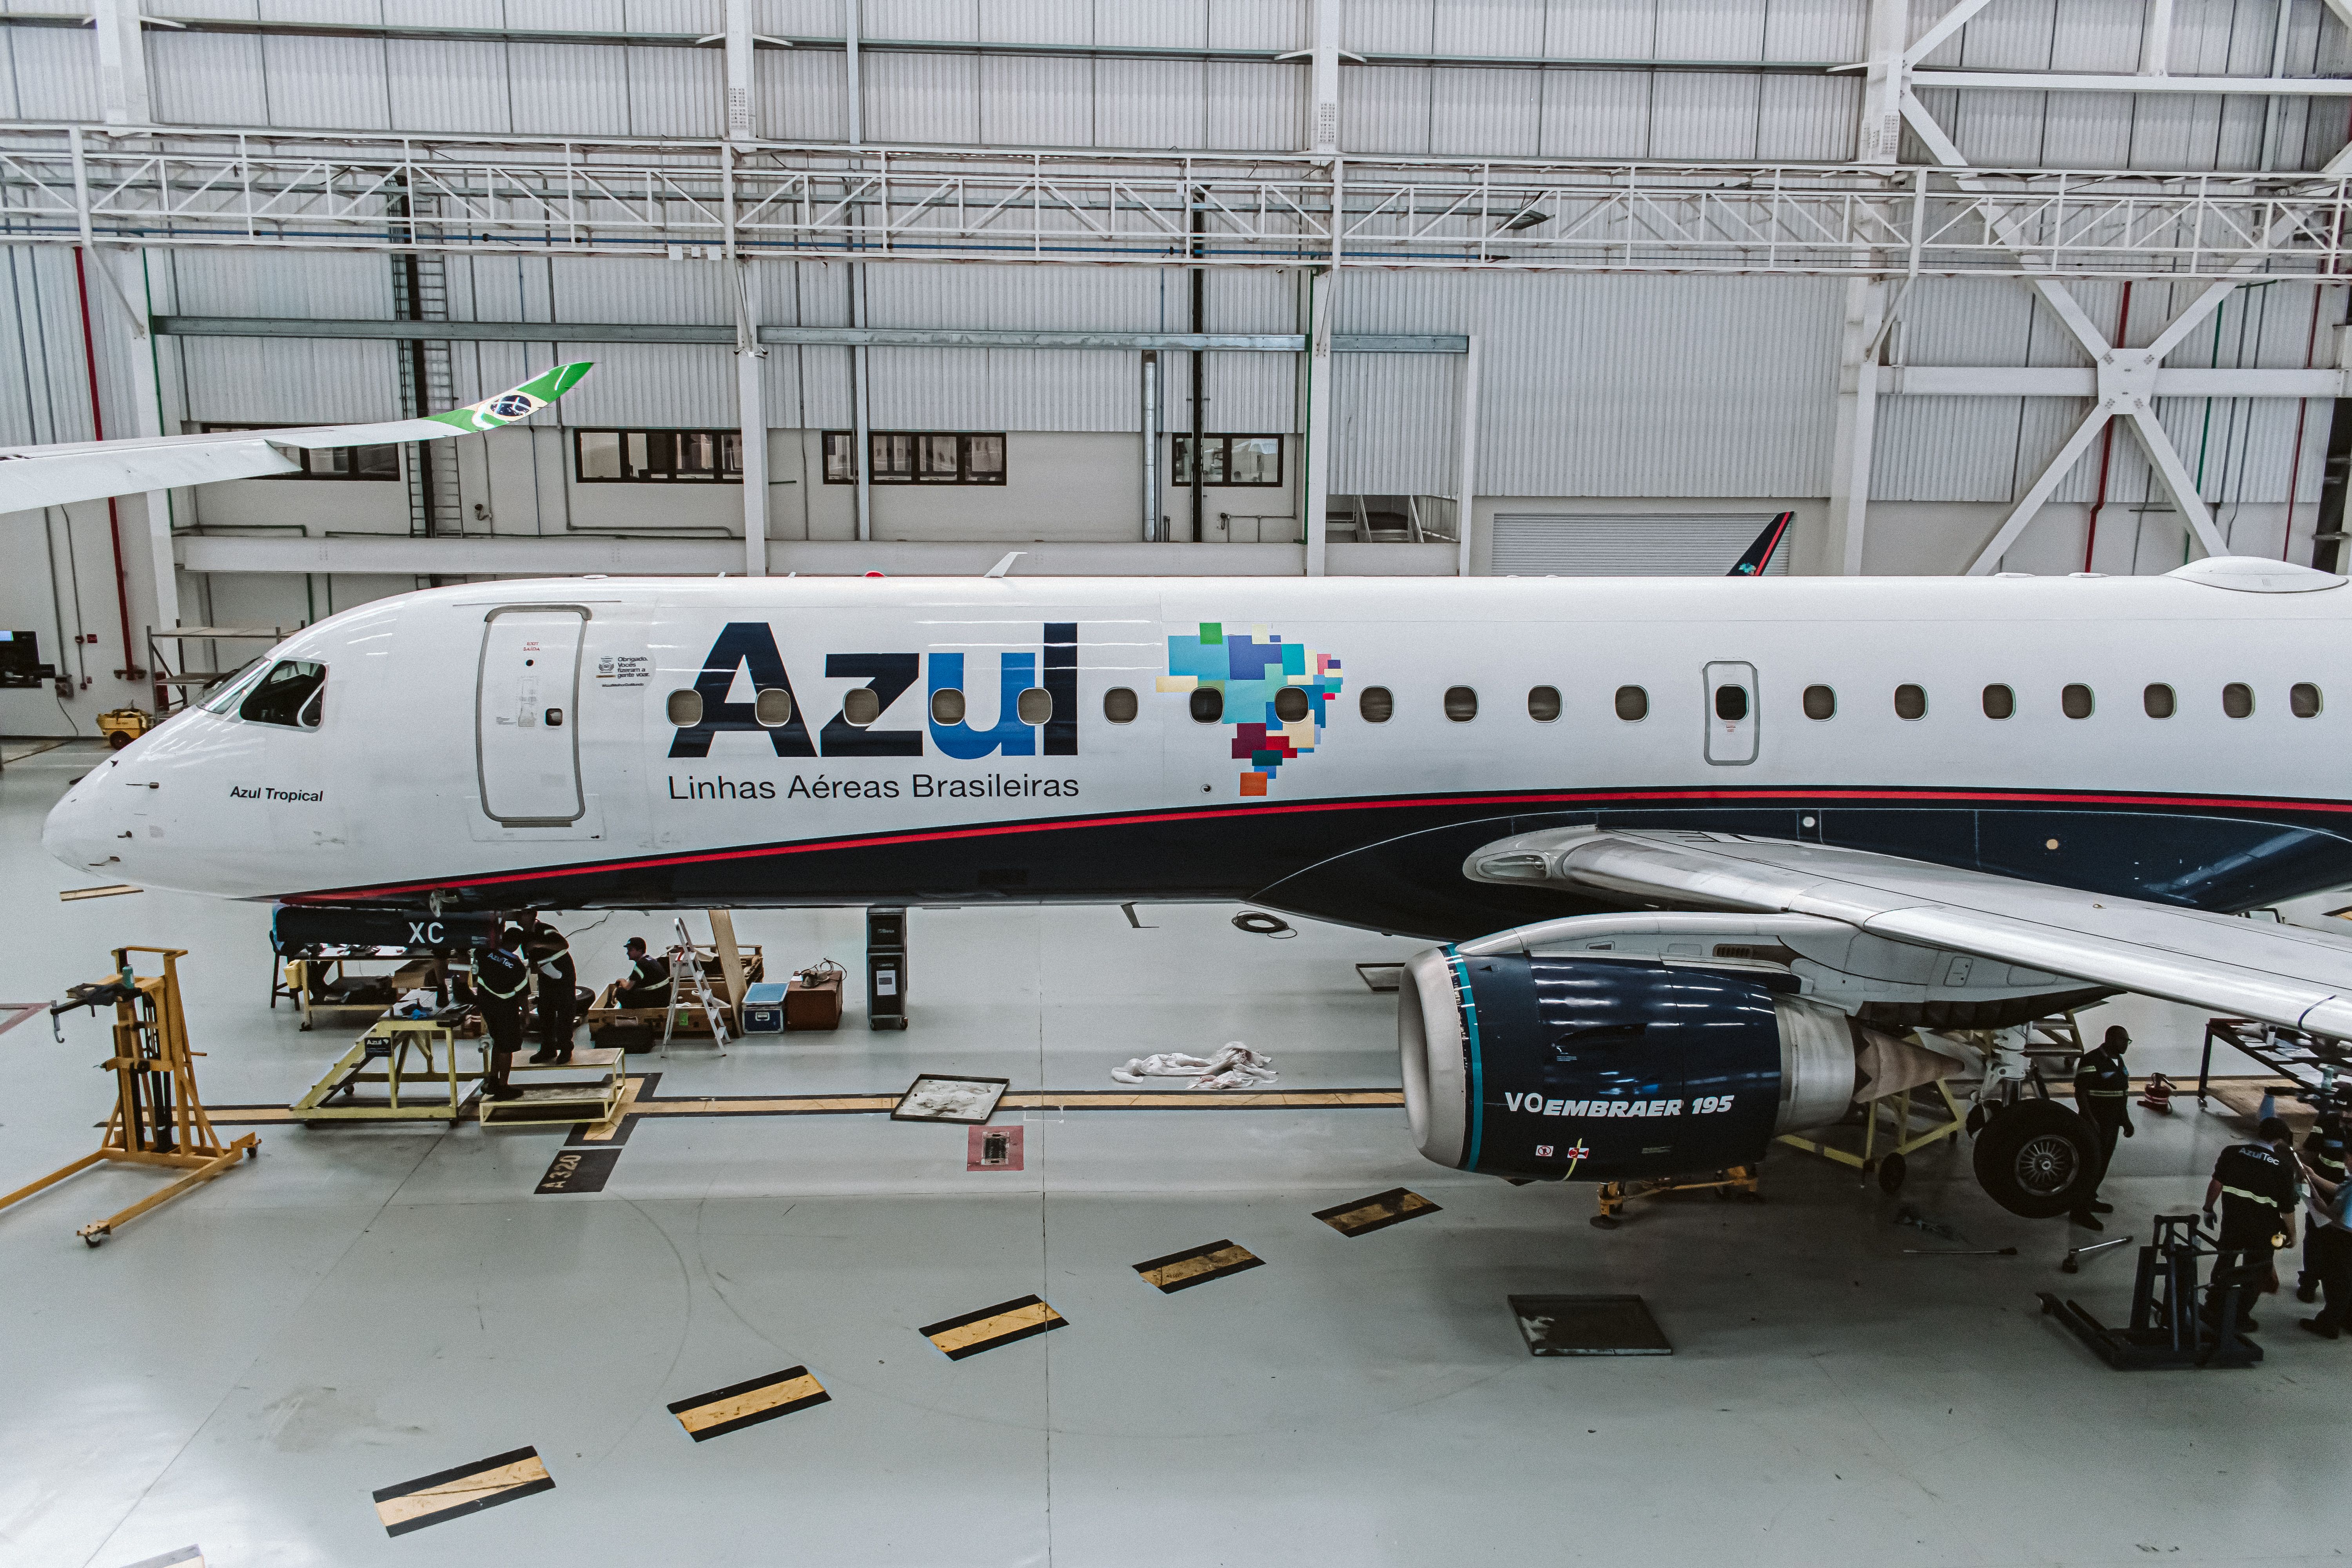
(1525, 218)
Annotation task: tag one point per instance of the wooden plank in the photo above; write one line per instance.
(730, 957)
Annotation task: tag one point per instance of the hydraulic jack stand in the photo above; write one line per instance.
(158, 1121)
(2168, 1329)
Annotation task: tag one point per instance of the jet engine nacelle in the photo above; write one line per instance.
(1604, 1069)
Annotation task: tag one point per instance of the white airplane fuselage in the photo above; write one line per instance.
(514, 744)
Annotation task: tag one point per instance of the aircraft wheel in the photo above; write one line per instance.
(1891, 1173)
(2037, 1158)
(1978, 1114)
(1606, 1222)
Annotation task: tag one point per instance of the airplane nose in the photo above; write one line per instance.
(72, 834)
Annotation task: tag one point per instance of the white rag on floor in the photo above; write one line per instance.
(1236, 1067)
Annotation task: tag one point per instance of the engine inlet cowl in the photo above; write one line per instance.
(1604, 1069)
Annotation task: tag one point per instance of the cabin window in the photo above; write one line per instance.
(1376, 705)
(292, 694)
(1820, 703)
(2157, 701)
(860, 707)
(1118, 705)
(1208, 704)
(772, 707)
(1461, 704)
(1543, 703)
(1910, 702)
(2074, 701)
(1036, 706)
(2238, 700)
(1633, 704)
(684, 709)
(1999, 702)
(2303, 700)
(947, 705)
(1291, 704)
(1731, 703)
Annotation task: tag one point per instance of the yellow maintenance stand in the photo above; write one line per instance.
(157, 1120)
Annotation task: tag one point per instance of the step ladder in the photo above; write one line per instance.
(684, 960)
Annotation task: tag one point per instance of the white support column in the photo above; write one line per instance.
(750, 381)
(122, 63)
(854, 97)
(2156, 39)
(1315, 492)
(861, 433)
(1149, 427)
(1323, 130)
(1857, 426)
(1465, 473)
(1885, 82)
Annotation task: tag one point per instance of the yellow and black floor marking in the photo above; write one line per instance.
(1376, 1213)
(730, 1409)
(992, 1326)
(640, 1104)
(577, 1171)
(469, 1488)
(1183, 1270)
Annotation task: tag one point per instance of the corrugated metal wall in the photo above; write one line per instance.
(1592, 386)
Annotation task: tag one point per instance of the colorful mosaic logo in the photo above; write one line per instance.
(1275, 693)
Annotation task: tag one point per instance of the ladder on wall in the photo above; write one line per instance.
(420, 292)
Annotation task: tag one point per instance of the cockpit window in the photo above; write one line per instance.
(293, 693)
(232, 687)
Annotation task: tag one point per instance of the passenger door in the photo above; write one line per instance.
(1730, 713)
(526, 715)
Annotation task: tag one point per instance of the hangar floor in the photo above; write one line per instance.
(363, 1307)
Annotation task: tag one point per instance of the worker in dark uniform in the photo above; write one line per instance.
(648, 983)
(558, 980)
(2327, 1247)
(2323, 1155)
(2103, 1097)
(2255, 1185)
(501, 981)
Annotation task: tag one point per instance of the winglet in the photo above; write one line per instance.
(516, 403)
(1760, 554)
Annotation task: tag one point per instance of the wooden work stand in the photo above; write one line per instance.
(389, 1041)
(157, 1119)
(571, 1100)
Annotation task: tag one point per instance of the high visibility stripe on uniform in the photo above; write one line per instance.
(2267, 1203)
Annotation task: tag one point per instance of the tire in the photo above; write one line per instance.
(1891, 1172)
(115, 741)
(2038, 1160)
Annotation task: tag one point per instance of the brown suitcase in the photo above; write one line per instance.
(816, 1006)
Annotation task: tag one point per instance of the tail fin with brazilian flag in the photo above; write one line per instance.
(1760, 554)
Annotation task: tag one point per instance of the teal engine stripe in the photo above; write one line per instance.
(1468, 1004)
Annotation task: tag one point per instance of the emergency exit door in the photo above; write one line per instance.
(526, 715)
(1730, 713)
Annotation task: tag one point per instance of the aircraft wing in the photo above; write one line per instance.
(85, 470)
(2279, 974)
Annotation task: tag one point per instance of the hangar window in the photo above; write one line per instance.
(329, 462)
(2303, 700)
(1820, 703)
(1910, 702)
(1208, 704)
(1461, 704)
(1118, 705)
(1036, 706)
(772, 707)
(2074, 701)
(1543, 703)
(292, 694)
(2238, 700)
(1291, 704)
(860, 706)
(917, 457)
(1633, 704)
(1999, 702)
(684, 709)
(2156, 700)
(658, 457)
(1231, 460)
(1376, 704)
(947, 705)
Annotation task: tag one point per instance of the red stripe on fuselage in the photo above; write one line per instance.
(1570, 798)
